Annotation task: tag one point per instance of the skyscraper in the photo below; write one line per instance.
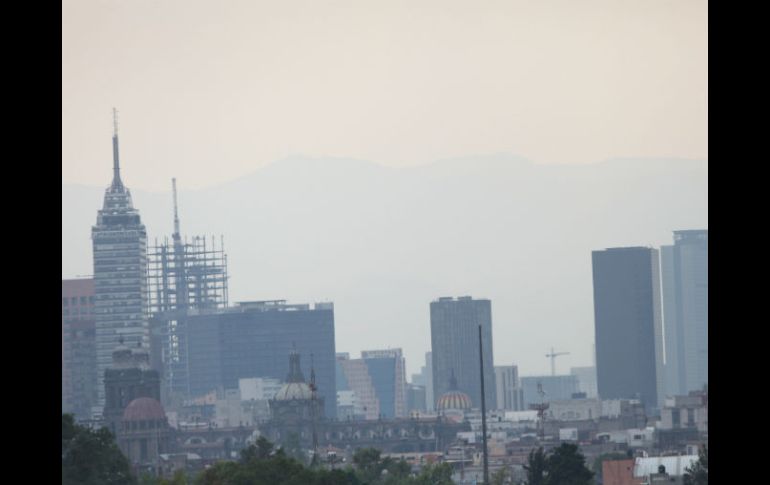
(629, 334)
(120, 274)
(454, 333)
(684, 270)
(252, 339)
(388, 372)
(509, 392)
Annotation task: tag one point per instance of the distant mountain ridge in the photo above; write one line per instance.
(383, 242)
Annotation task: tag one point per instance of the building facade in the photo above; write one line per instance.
(388, 371)
(586, 380)
(454, 325)
(79, 392)
(555, 388)
(252, 339)
(684, 271)
(510, 395)
(628, 324)
(120, 275)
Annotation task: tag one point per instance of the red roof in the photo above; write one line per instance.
(144, 409)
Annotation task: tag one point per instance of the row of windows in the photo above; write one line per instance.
(67, 301)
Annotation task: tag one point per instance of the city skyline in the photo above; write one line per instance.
(197, 211)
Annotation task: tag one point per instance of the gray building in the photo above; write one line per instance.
(253, 339)
(628, 324)
(555, 388)
(586, 380)
(684, 272)
(120, 275)
(509, 393)
(454, 325)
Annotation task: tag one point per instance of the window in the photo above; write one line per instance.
(65, 302)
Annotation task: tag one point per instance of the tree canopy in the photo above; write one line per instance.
(564, 465)
(91, 457)
(698, 472)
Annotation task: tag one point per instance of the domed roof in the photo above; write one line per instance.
(453, 400)
(295, 387)
(293, 390)
(144, 409)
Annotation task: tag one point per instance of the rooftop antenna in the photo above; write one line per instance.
(553, 356)
(116, 182)
(176, 212)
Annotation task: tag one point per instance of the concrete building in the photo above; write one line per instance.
(556, 388)
(355, 377)
(79, 393)
(378, 380)
(454, 327)
(586, 380)
(425, 379)
(575, 409)
(120, 275)
(415, 399)
(684, 271)
(252, 339)
(628, 325)
(685, 412)
(258, 388)
(510, 395)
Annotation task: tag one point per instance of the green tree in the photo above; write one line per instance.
(91, 457)
(500, 476)
(698, 472)
(293, 448)
(434, 474)
(535, 467)
(260, 450)
(368, 464)
(567, 466)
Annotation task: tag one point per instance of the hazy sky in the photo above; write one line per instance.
(208, 91)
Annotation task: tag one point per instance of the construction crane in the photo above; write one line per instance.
(553, 356)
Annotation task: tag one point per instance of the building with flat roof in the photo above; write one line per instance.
(510, 395)
(252, 339)
(555, 388)
(684, 271)
(79, 392)
(628, 325)
(454, 328)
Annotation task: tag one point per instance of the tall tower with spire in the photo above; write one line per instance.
(120, 273)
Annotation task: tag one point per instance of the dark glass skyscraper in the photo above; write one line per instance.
(454, 330)
(252, 339)
(120, 275)
(629, 352)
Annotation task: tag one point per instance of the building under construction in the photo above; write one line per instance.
(184, 275)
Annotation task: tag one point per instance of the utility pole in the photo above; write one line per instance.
(483, 412)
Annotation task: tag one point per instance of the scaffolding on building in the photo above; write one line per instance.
(184, 275)
(189, 274)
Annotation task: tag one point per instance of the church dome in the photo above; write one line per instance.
(144, 409)
(453, 398)
(293, 390)
(295, 387)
